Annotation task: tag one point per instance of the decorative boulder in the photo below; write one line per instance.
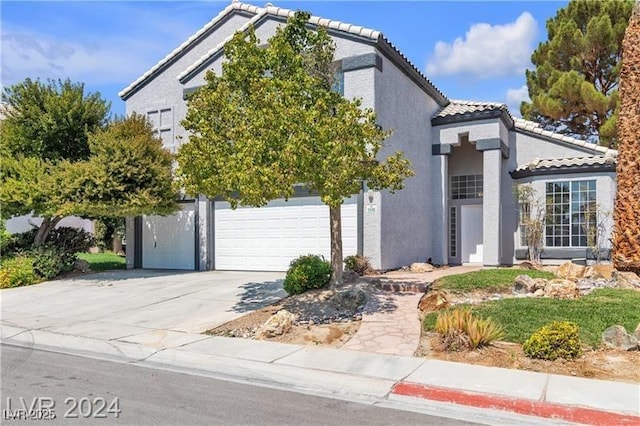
(616, 337)
(561, 289)
(279, 324)
(350, 276)
(628, 280)
(348, 299)
(570, 271)
(81, 265)
(433, 301)
(421, 267)
(636, 333)
(598, 271)
(524, 284)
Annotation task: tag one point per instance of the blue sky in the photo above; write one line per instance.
(470, 50)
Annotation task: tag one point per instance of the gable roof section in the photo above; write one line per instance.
(590, 163)
(373, 36)
(459, 111)
(177, 52)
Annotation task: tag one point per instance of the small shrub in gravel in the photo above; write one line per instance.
(358, 264)
(560, 339)
(306, 273)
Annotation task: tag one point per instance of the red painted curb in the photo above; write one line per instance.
(549, 410)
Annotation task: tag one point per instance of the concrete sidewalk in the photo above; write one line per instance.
(365, 376)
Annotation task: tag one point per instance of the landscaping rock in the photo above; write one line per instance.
(627, 280)
(81, 265)
(539, 292)
(636, 334)
(616, 337)
(598, 271)
(348, 299)
(587, 285)
(349, 276)
(277, 325)
(324, 335)
(525, 284)
(529, 266)
(421, 267)
(433, 301)
(561, 289)
(570, 271)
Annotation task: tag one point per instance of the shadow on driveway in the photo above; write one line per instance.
(259, 295)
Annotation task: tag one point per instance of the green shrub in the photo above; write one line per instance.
(48, 262)
(358, 264)
(69, 240)
(17, 271)
(306, 273)
(560, 339)
(20, 242)
(5, 238)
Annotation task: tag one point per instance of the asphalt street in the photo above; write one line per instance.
(99, 391)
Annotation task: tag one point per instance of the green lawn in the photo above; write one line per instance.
(486, 279)
(593, 313)
(103, 261)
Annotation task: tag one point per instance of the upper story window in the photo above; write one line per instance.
(162, 121)
(466, 187)
(570, 213)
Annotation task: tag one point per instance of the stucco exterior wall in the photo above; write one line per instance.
(165, 91)
(406, 216)
(527, 147)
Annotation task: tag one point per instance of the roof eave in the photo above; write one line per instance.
(562, 170)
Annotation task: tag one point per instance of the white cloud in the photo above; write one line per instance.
(28, 54)
(487, 50)
(515, 97)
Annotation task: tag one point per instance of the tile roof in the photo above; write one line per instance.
(588, 163)
(462, 110)
(355, 30)
(534, 128)
(472, 108)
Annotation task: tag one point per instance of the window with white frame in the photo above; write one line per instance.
(570, 210)
(466, 187)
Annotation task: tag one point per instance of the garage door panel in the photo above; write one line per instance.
(268, 238)
(168, 242)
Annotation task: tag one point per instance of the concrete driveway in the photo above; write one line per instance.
(139, 306)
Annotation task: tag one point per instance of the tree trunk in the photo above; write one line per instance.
(48, 223)
(335, 222)
(117, 243)
(626, 235)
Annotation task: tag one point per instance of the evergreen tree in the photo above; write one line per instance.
(574, 88)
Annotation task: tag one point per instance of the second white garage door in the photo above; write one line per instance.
(269, 237)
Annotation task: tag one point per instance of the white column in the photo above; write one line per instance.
(204, 231)
(491, 226)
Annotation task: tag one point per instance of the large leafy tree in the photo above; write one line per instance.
(59, 157)
(574, 87)
(626, 238)
(271, 121)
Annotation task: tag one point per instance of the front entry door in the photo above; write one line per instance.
(471, 233)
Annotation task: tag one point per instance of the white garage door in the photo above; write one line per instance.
(269, 237)
(169, 242)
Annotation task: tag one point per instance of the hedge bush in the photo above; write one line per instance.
(17, 271)
(48, 263)
(560, 339)
(358, 264)
(306, 273)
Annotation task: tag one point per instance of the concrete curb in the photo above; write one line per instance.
(522, 406)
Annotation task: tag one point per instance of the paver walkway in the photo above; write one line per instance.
(393, 326)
